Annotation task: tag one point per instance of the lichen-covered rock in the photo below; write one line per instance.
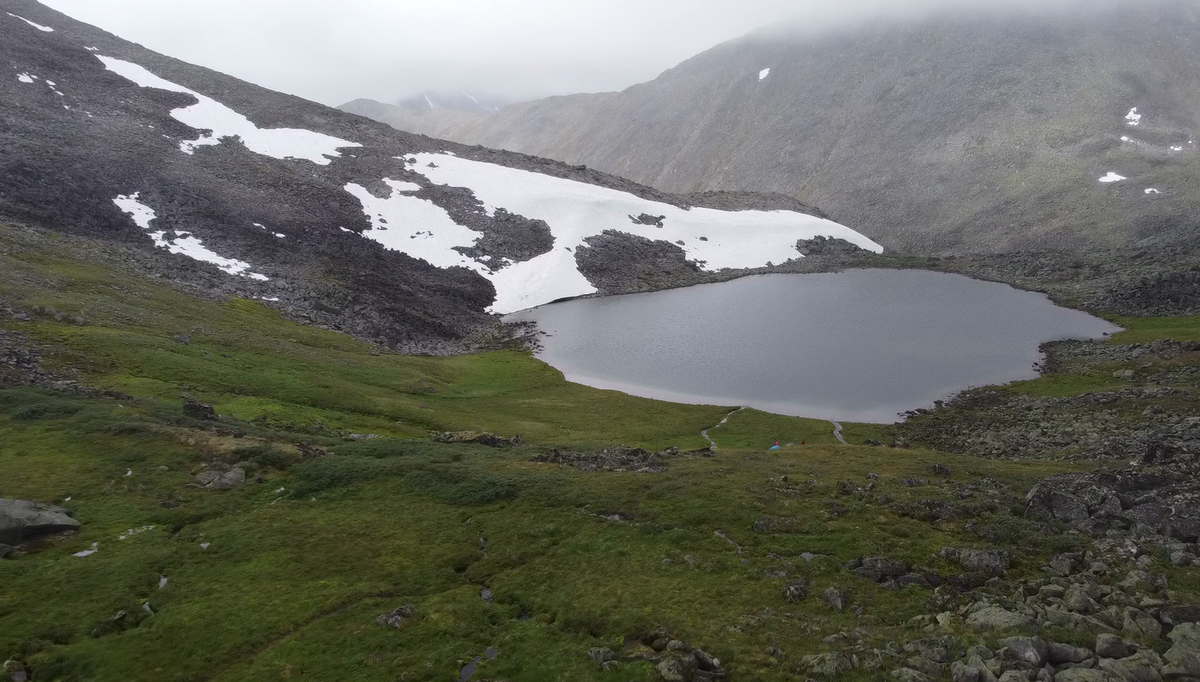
(22, 520)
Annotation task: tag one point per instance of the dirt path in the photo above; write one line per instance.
(712, 443)
(837, 432)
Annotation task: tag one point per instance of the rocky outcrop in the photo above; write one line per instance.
(618, 458)
(1149, 502)
(491, 440)
(674, 660)
(22, 520)
(222, 476)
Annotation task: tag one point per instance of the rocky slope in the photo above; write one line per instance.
(327, 216)
(951, 134)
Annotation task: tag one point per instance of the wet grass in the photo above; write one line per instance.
(283, 578)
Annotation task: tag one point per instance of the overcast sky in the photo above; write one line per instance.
(333, 51)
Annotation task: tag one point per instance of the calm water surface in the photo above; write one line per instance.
(861, 345)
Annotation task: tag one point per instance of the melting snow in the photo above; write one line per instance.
(762, 75)
(135, 531)
(416, 227)
(574, 212)
(1151, 190)
(1124, 138)
(185, 244)
(26, 78)
(39, 27)
(88, 552)
(1175, 148)
(1133, 118)
(1113, 177)
(209, 114)
(277, 234)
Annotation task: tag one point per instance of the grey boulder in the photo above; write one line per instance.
(21, 520)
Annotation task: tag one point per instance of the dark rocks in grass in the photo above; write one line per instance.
(617, 458)
(988, 561)
(16, 671)
(198, 410)
(674, 660)
(395, 619)
(878, 569)
(837, 598)
(491, 440)
(1150, 501)
(796, 591)
(22, 520)
(221, 476)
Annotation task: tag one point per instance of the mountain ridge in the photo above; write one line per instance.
(945, 135)
(106, 138)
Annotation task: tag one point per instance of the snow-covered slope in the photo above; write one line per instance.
(335, 219)
(575, 211)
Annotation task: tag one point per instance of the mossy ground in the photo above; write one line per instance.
(299, 565)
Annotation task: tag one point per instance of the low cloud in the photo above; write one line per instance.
(384, 49)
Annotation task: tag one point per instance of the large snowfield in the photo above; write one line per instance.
(575, 211)
(209, 114)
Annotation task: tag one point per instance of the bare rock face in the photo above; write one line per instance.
(22, 520)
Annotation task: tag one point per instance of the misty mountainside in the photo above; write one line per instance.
(456, 100)
(330, 217)
(954, 133)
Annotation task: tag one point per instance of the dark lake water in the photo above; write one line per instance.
(860, 345)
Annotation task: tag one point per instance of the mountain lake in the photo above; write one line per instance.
(859, 345)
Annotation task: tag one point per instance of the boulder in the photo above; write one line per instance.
(679, 667)
(221, 477)
(1085, 675)
(910, 675)
(395, 619)
(21, 520)
(998, 618)
(878, 569)
(1112, 646)
(828, 665)
(1183, 658)
(16, 671)
(837, 598)
(198, 410)
(992, 562)
(1028, 652)
(1141, 667)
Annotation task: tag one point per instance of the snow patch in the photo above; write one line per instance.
(1151, 190)
(1133, 118)
(1125, 138)
(762, 75)
(1176, 148)
(26, 78)
(575, 211)
(416, 227)
(184, 244)
(39, 27)
(276, 234)
(1113, 177)
(88, 552)
(223, 122)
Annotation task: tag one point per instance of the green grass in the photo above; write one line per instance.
(293, 576)
(303, 558)
(1147, 329)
